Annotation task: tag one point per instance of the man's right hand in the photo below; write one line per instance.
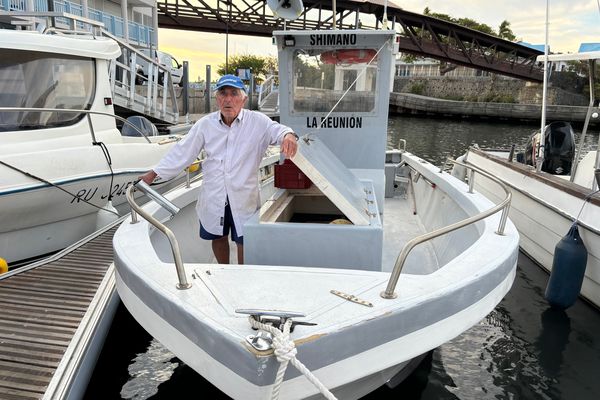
(148, 177)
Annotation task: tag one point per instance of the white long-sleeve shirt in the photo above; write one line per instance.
(230, 168)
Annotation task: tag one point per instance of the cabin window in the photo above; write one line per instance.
(320, 79)
(44, 80)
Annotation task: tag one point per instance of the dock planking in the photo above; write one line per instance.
(42, 308)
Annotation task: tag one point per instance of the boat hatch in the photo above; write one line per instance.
(338, 205)
(334, 180)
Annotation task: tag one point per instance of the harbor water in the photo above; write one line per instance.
(522, 350)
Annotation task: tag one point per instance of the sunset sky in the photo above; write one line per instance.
(571, 23)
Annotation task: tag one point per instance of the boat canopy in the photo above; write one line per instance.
(586, 47)
(583, 55)
(83, 46)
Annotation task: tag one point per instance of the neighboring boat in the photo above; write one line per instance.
(334, 283)
(546, 203)
(61, 154)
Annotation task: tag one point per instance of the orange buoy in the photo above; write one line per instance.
(3, 266)
(348, 56)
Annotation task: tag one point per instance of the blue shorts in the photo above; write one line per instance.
(227, 223)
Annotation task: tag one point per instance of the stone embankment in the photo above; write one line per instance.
(406, 103)
(487, 98)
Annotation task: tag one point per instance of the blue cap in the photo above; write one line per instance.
(230, 80)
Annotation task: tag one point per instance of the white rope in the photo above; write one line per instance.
(285, 350)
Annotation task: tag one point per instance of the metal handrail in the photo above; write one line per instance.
(504, 206)
(266, 88)
(137, 209)
(75, 111)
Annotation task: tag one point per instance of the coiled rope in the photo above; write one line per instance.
(285, 350)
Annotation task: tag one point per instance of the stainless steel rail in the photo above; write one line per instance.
(136, 209)
(504, 206)
(75, 111)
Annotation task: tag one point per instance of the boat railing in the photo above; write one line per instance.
(502, 206)
(88, 114)
(172, 209)
(158, 100)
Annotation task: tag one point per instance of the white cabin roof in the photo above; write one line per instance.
(83, 46)
(588, 55)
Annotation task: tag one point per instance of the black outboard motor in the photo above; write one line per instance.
(142, 124)
(559, 149)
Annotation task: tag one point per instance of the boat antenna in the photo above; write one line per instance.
(384, 22)
(540, 158)
(334, 6)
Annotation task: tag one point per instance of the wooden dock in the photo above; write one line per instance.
(55, 316)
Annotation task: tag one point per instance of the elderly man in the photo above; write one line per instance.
(235, 140)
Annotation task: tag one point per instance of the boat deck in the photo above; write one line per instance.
(400, 225)
(50, 311)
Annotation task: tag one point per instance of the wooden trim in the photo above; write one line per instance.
(558, 183)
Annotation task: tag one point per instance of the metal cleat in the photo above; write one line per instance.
(275, 318)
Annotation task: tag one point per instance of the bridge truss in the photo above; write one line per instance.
(418, 34)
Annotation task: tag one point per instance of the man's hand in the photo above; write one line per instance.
(148, 177)
(289, 145)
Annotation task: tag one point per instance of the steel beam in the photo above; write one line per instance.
(419, 34)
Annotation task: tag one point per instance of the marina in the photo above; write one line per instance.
(521, 350)
(381, 271)
(555, 193)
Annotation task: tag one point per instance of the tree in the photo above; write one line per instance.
(259, 65)
(505, 32)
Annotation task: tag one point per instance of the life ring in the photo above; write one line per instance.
(348, 56)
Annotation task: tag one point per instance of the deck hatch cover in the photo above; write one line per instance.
(334, 179)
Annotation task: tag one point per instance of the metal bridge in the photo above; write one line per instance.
(419, 34)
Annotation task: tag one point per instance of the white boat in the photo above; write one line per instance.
(546, 202)
(61, 154)
(354, 328)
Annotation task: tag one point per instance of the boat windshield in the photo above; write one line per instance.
(44, 80)
(322, 77)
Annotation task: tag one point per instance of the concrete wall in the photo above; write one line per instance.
(485, 89)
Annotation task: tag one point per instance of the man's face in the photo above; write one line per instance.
(230, 101)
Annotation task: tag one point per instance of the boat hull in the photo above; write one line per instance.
(543, 208)
(353, 349)
(43, 220)
(349, 378)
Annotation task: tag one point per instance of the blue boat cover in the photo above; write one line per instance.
(538, 47)
(586, 47)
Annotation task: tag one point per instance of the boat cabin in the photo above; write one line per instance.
(334, 93)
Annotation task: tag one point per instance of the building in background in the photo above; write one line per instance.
(136, 21)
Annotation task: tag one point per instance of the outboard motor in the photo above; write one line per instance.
(559, 149)
(142, 124)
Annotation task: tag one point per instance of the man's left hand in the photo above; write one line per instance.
(289, 145)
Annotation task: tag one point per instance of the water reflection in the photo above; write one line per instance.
(435, 139)
(148, 370)
(553, 339)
